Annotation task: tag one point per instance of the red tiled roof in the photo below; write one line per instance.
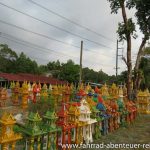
(30, 77)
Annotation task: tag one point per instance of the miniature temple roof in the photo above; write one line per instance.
(35, 117)
(73, 109)
(7, 119)
(17, 84)
(51, 115)
(88, 88)
(84, 108)
(120, 91)
(50, 87)
(63, 112)
(142, 94)
(104, 90)
(44, 87)
(96, 89)
(147, 91)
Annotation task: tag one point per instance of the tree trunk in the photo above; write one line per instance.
(129, 63)
(136, 68)
(129, 66)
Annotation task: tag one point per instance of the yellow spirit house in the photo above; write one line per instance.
(8, 137)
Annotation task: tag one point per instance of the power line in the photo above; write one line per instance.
(39, 47)
(33, 57)
(42, 35)
(71, 21)
(39, 34)
(25, 43)
(59, 28)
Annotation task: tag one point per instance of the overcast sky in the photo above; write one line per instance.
(59, 38)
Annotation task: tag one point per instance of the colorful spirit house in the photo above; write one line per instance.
(84, 117)
(121, 108)
(144, 102)
(44, 93)
(8, 138)
(36, 91)
(64, 124)
(3, 96)
(74, 114)
(52, 130)
(16, 94)
(56, 95)
(96, 127)
(66, 93)
(104, 115)
(12, 86)
(104, 91)
(32, 132)
(25, 95)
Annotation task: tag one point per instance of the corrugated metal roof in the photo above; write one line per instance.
(30, 77)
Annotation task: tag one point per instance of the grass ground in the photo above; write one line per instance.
(137, 133)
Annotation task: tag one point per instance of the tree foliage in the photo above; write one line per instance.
(68, 71)
(26, 65)
(145, 68)
(7, 58)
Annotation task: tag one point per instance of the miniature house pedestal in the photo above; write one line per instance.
(36, 92)
(114, 113)
(52, 130)
(85, 117)
(8, 138)
(105, 117)
(32, 132)
(56, 95)
(66, 93)
(96, 127)
(44, 93)
(12, 86)
(3, 96)
(25, 94)
(74, 114)
(122, 111)
(16, 94)
(132, 110)
(65, 126)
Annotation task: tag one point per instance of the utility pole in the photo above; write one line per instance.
(80, 77)
(117, 55)
(117, 60)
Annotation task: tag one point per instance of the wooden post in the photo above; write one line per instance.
(80, 77)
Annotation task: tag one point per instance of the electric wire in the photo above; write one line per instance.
(69, 20)
(59, 28)
(25, 43)
(89, 62)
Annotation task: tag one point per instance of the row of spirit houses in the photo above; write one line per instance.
(81, 121)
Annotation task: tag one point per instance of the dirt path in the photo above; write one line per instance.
(137, 133)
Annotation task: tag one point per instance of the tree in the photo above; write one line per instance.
(93, 76)
(144, 67)
(7, 58)
(54, 65)
(43, 69)
(69, 72)
(126, 29)
(143, 20)
(26, 65)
